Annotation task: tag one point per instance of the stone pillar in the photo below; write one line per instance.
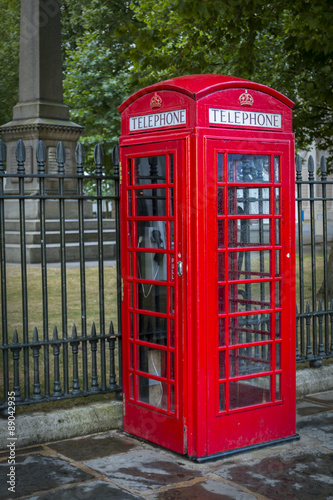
(40, 112)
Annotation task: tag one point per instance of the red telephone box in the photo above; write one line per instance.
(208, 265)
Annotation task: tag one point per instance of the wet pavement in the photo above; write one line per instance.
(113, 465)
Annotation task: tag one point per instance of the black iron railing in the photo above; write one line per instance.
(314, 211)
(47, 365)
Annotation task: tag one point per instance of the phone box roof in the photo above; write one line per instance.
(198, 86)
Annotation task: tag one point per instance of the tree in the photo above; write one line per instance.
(9, 57)
(286, 45)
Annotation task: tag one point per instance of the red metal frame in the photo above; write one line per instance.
(220, 403)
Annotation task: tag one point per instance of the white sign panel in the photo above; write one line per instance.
(242, 118)
(158, 120)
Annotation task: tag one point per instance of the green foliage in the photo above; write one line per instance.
(286, 45)
(9, 57)
(111, 49)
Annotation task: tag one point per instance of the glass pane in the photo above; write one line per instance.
(278, 294)
(172, 333)
(277, 387)
(249, 392)
(171, 169)
(152, 361)
(276, 168)
(249, 265)
(172, 397)
(153, 392)
(131, 386)
(221, 274)
(152, 329)
(277, 201)
(221, 299)
(249, 297)
(248, 201)
(277, 356)
(172, 300)
(249, 232)
(131, 356)
(151, 234)
(129, 233)
(249, 329)
(129, 172)
(152, 266)
(172, 366)
(277, 232)
(220, 201)
(249, 360)
(220, 167)
(171, 236)
(277, 263)
(221, 364)
(129, 202)
(220, 231)
(221, 397)
(152, 297)
(277, 325)
(221, 332)
(171, 202)
(150, 170)
(171, 260)
(151, 202)
(248, 168)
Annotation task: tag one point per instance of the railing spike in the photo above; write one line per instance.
(41, 152)
(299, 163)
(98, 159)
(93, 330)
(55, 333)
(15, 337)
(115, 155)
(20, 156)
(35, 335)
(79, 158)
(111, 329)
(74, 331)
(323, 166)
(61, 156)
(310, 164)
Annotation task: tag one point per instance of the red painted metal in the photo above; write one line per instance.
(209, 363)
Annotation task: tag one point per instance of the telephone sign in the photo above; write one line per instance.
(208, 265)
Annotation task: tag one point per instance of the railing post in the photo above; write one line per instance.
(41, 160)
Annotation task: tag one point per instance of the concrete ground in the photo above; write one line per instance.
(112, 465)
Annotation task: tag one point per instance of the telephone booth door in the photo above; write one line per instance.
(153, 293)
(251, 398)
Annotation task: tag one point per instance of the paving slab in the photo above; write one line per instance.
(207, 490)
(305, 408)
(322, 397)
(98, 446)
(284, 473)
(145, 469)
(319, 428)
(95, 490)
(39, 473)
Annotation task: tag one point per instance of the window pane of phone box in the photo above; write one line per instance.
(151, 202)
(249, 392)
(150, 170)
(249, 232)
(152, 329)
(152, 266)
(248, 168)
(249, 328)
(152, 297)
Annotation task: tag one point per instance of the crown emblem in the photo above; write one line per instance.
(156, 101)
(246, 99)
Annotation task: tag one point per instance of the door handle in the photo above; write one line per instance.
(180, 268)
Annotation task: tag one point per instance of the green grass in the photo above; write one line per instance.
(54, 300)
